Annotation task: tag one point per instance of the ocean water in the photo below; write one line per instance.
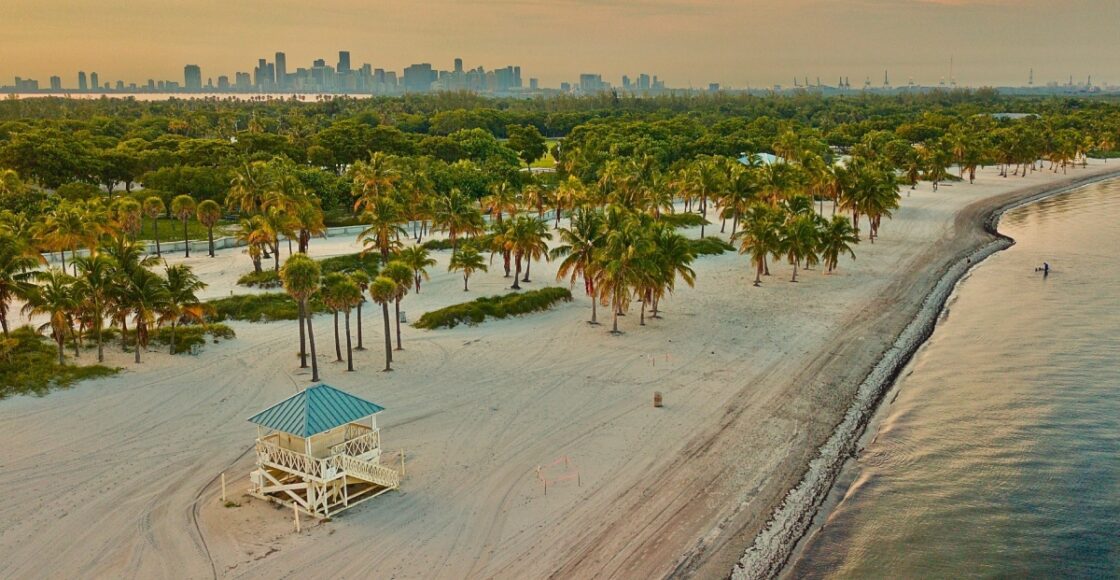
(1000, 453)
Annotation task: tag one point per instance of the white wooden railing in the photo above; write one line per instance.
(359, 445)
(371, 472)
(289, 459)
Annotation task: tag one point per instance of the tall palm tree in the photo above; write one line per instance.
(418, 260)
(374, 180)
(384, 217)
(618, 264)
(95, 289)
(504, 198)
(129, 216)
(308, 218)
(799, 240)
(760, 236)
(362, 279)
(208, 214)
(401, 271)
(836, 238)
(455, 214)
(249, 188)
(383, 291)
(579, 245)
(54, 297)
(182, 303)
(468, 261)
(669, 260)
(350, 296)
(301, 276)
(153, 208)
(145, 295)
(183, 208)
(335, 302)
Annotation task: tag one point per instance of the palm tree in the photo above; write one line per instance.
(209, 212)
(308, 218)
(418, 260)
(468, 261)
(504, 198)
(579, 244)
(374, 180)
(95, 287)
(153, 208)
(760, 236)
(145, 295)
(401, 271)
(129, 216)
(350, 296)
(17, 260)
(248, 190)
(384, 217)
(274, 222)
(618, 265)
(182, 302)
(183, 207)
(383, 291)
(836, 238)
(54, 297)
(362, 279)
(670, 259)
(335, 302)
(300, 276)
(455, 214)
(799, 240)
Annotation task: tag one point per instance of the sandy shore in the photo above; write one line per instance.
(118, 477)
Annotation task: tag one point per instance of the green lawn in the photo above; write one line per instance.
(546, 160)
(171, 230)
(29, 364)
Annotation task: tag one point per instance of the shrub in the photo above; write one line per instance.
(190, 335)
(268, 307)
(477, 311)
(351, 262)
(262, 279)
(710, 246)
(684, 220)
(29, 364)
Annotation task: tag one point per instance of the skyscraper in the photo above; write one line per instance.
(82, 86)
(459, 65)
(418, 78)
(192, 77)
(281, 70)
(93, 81)
(56, 83)
(343, 62)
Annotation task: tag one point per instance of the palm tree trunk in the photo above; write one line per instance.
(465, 279)
(311, 341)
(528, 264)
(276, 253)
(642, 316)
(210, 236)
(349, 350)
(388, 337)
(794, 279)
(360, 347)
(517, 273)
(100, 345)
(337, 344)
(139, 329)
(155, 234)
(124, 335)
(302, 338)
(4, 320)
(397, 307)
(758, 275)
(594, 310)
(614, 317)
(172, 337)
(186, 240)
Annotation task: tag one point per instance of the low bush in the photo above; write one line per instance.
(190, 335)
(29, 365)
(262, 279)
(267, 307)
(368, 262)
(684, 220)
(476, 311)
(710, 246)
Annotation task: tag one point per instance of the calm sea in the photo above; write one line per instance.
(1000, 455)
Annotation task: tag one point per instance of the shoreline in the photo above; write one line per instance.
(802, 508)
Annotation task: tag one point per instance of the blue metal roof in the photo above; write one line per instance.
(315, 410)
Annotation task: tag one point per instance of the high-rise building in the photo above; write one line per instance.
(242, 81)
(459, 65)
(534, 84)
(93, 81)
(343, 62)
(591, 83)
(82, 84)
(56, 83)
(625, 82)
(120, 85)
(418, 78)
(223, 83)
(281, 70)
(192, 77)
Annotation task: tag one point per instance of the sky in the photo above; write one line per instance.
(736, 43)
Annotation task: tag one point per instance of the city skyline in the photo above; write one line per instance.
(994, 42)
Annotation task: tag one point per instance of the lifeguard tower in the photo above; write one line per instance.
(320, 452)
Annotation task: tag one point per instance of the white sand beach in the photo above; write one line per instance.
(119, 477)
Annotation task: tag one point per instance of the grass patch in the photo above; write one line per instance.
(190, 335)
(480, 243)
(262, 279)
(171, 230)
(477, 311)
(268, 307)
(29, 365)
(710, 246)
